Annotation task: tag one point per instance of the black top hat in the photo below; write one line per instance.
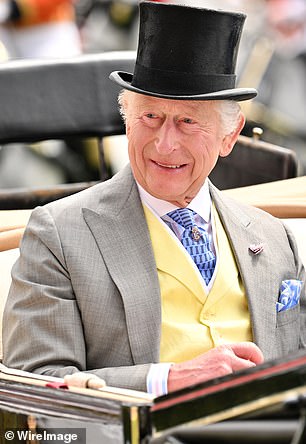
(186, 53)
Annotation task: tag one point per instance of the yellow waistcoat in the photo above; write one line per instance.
(193, 321)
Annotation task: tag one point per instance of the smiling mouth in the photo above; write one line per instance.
(169, 166)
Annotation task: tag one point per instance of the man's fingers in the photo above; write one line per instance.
(248, 351)
(241, 355)
(84, 380)
(240, 363)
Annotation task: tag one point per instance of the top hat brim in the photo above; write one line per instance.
(124, 79)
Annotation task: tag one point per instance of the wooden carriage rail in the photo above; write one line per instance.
(269, 384)
(44, 396)
(252, 431)
(282, 198)
(28, 198)
(107, 392)
(10, 238)
(272, 384)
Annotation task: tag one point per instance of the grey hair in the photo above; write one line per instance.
(229, 111)
(122, 100)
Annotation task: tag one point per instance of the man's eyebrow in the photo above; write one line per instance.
(190, 106)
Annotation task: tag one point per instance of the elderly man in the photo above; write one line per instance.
(153, 280)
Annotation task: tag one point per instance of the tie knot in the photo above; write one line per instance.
(183, 217)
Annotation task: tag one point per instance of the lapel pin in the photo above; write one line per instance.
(196, 233)
(256, 248)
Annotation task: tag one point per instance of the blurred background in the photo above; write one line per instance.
(272, 58)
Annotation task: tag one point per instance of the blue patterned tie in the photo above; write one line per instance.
(196, 242)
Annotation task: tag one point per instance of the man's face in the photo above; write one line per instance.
(173, 145)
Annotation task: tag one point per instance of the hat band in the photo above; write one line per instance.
(180, 83)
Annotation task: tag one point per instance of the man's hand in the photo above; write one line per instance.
(219, 361)
(84, 380)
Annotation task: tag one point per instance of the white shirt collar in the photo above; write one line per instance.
(201, 204)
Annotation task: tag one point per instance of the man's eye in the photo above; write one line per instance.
(151, 116)
(188, 120)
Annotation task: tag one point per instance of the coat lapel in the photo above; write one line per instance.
(256, 270)
(121, 233)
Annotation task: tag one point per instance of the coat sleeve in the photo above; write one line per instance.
(43, 328)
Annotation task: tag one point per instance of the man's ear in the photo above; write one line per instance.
(229, 140)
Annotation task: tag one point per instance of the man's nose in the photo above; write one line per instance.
(166, 140)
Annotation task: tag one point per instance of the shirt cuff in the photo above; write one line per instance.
(157, 379)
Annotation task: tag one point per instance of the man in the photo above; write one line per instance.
(154, 280)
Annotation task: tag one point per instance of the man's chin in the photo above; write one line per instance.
(162, 193)
(174, 198)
